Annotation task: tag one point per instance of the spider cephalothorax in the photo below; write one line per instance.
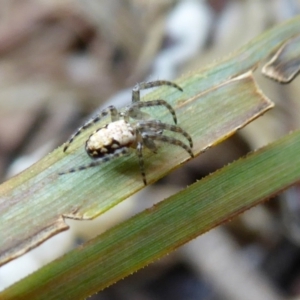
(117, 137)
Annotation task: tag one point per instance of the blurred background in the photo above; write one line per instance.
(60, 61)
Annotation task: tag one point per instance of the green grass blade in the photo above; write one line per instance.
(166, 226)
(42, 195)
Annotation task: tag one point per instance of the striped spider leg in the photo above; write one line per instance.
(151, 131)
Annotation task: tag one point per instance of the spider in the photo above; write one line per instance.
(131, 128)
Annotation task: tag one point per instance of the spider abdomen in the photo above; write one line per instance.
(108, 139)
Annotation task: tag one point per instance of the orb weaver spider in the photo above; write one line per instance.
(130, 128)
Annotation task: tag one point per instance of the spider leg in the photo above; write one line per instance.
(109, 110)
(157, 125)
(139, 151)
(118, 153)
(167, 139)
(133, 110)
(147, 85)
